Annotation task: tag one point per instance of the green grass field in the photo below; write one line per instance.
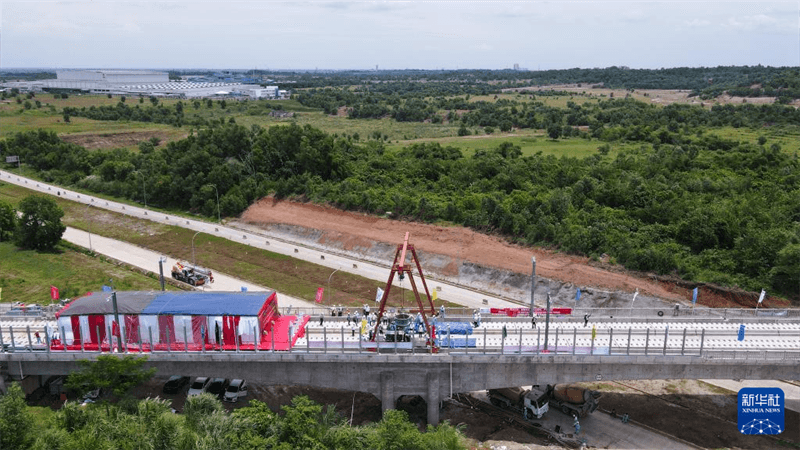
(530, 141)
(26, 275)
(279, 272)
(787, 137)
(13, 118)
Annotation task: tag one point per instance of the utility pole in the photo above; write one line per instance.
(194, 259)
(90, 227)
(161, 271)
(329, 284)
(547, 322)
(533, 283)
(116, 319)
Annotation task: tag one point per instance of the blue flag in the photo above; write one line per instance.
(244, 288)
(106, 288)
(578, 295)
(694, 296)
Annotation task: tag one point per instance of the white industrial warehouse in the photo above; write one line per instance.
(147, 83)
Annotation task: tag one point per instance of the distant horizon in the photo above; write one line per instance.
(320, 69)
(398, 34)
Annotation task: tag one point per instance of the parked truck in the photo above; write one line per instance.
(568, 398)
(525, 401)
(196, 276)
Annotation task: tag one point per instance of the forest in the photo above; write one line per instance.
(205, 424)
(676, 199)
(706, 82)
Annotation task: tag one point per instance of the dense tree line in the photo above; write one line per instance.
(122, 111)
(708, 82)
(684, 201)
(204, 424)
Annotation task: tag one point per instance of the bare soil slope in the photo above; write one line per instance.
(357, 230)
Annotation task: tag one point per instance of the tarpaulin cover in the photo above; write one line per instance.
(128, 302)
(208, 303)
(456, 342)
(455, 328)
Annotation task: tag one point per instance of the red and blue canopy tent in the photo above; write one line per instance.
(177, 321)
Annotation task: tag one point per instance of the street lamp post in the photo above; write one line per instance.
(194, 259)
(329, 284)
(161, 262)
(219, 219)
(90, 228)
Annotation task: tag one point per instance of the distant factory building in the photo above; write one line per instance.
(262, 92)
(112, 76)
(147, 83)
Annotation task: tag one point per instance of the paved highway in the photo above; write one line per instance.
(148, 260)
(263, 240)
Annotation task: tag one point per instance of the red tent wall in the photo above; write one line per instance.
(97, 323)
(200, 328)
(269, 312)
(131, 329)
(76, 329)
(229, 324)
(166, 328)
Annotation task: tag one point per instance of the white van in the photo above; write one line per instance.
(237, 388)
(199, 386)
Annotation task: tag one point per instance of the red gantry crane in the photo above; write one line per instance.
(400, 268)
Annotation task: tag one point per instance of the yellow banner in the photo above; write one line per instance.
(434, 295)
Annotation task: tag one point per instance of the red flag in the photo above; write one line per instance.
(54, 292)
(318, 298)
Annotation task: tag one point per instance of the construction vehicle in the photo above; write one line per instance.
(193, 275)
(526, 401)
(570, 399)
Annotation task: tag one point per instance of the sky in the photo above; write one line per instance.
(274, 35)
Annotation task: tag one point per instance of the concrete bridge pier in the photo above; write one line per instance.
(387, 390)
(432, 398)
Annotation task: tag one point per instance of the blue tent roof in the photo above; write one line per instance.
(208, 303)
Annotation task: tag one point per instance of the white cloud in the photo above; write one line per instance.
(697, 23)
(750, 23)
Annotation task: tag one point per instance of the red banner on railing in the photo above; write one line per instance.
(514, 312)
(318, 298)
